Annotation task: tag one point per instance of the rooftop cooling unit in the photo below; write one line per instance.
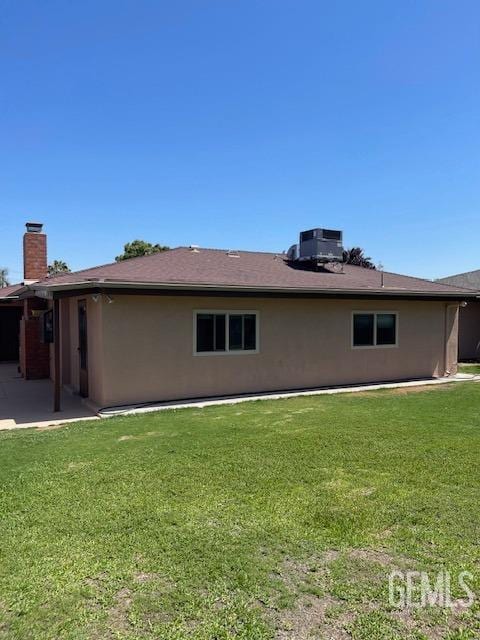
(320, 245)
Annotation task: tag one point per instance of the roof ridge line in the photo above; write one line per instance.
(263, 253)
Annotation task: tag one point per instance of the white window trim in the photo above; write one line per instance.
(227, 313)
(375, 314)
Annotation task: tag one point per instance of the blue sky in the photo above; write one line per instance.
(237, 124)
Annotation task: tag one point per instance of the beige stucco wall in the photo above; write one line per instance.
(65, 343)
(69, 341)
(469, 332)
(146, 351)
(450, 362)
(65, 340)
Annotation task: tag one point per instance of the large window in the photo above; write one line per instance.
(218, 332)
(374, 329)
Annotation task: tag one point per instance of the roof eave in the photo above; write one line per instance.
(47, 289)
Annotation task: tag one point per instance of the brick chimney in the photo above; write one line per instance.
(34, 353)
(34, 253)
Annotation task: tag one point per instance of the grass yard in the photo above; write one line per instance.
(272, 519)
(469, 368)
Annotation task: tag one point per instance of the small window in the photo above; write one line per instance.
(235, 335)
(225, 332)
(374, 329)
(242, 332)
(363, 329)
(386, 328)
(210, 332)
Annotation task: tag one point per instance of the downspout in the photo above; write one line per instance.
(447, 372)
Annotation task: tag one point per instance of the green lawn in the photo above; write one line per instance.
(272, 519)
(469, 368)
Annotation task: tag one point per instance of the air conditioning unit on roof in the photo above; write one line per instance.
(321, 245)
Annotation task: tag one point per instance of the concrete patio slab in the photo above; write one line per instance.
(28, 403)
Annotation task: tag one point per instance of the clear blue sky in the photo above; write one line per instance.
(237, 124)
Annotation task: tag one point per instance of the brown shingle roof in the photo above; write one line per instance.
(11, 290)
(244, 269)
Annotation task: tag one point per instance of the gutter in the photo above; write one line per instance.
(50, 289)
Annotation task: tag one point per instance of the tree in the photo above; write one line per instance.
(357, 257)
(4, 282)
(58, 266)
(138, 248)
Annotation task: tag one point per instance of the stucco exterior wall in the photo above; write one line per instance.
(69, 341)
(450, 363)
(469, 332)
(146, 351)
(65, 341)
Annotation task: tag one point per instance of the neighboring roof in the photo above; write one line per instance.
(186, 268)
(468, 280)
(11, 290)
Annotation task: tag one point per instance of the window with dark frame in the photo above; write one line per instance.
(225, 332)
(374, 329)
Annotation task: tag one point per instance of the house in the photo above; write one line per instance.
(469, 319)
(193, 322)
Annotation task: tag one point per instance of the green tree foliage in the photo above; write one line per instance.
(357, 257)
(58, 266)
(4, 282)
(138, 248)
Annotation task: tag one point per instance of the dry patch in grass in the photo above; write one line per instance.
(148, 434)
(380, 557)
(305, 410)
(401, 391)
(310, 618)
(77, 466)
(118, 614)
(118, 622)
(347, 486)
(311, 614)
(51, 427)
(141, 577)
(4, 616)
(316, 613)
(140, 436)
